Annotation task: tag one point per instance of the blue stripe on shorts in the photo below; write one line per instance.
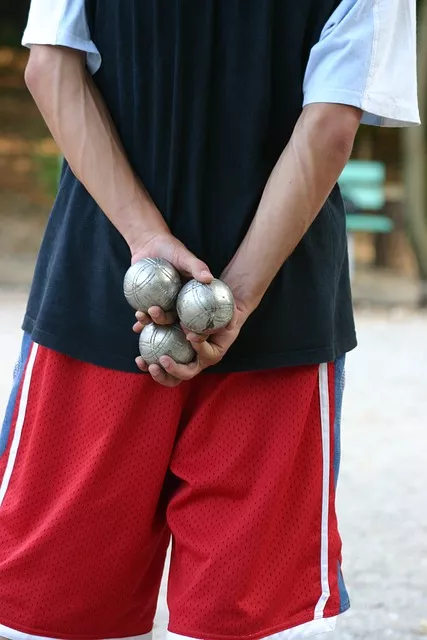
(17, 379)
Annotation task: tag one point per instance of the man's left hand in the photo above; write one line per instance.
(210, 349)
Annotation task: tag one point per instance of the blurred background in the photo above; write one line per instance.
(383, 489)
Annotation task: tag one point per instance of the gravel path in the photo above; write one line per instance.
(383, 483)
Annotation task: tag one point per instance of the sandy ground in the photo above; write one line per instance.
(383, 484)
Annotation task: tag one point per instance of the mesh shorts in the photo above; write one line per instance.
(99, 469)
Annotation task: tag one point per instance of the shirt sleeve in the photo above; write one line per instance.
(61, 22)
(366, 58)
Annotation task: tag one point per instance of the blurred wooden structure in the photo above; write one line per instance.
(362, 186)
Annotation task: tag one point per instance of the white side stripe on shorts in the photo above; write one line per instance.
(19, 423)
(324, 549)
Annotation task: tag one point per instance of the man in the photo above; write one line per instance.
(212, 134)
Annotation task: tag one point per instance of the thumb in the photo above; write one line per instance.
(193, 267)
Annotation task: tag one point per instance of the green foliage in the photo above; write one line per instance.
(46, 168)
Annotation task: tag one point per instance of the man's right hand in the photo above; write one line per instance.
(165, 245)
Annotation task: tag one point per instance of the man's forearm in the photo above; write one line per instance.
(297, 188)
(81, 125)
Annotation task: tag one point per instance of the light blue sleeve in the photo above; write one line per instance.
(61, 22)
(366, 58)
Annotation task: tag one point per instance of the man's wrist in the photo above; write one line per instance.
(142, 226)
(246, 300)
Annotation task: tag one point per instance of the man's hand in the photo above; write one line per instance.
(210, 349)
(165, 245)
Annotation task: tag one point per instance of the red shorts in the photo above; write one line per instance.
(99, 469)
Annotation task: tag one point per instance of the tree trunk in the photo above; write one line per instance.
(389, 247)
(415, 165)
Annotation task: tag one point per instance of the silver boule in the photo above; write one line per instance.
(165, 340)
(203, 307)
(152, 282)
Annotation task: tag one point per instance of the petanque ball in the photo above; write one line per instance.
(203, 307)
(165, 340)
(152, 282)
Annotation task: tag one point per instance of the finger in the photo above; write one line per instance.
(189, 265)
(143, 319)
(137, 327)
(194, 337)
(208, 353)
(197, 337)
(232, 325)
(205, 335)
(161, 317)
(180, 371)
(161, 376)
(141, 364)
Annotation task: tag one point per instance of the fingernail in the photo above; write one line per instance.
(206, 274)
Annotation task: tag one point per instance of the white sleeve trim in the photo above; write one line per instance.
(61, 23)
(366, 58)
(400, 114)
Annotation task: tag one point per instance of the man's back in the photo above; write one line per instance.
(205, 96)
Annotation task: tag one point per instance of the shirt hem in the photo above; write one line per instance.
(299, 357)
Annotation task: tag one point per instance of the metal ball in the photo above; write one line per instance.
(165, 340)
(204, 307)
(152, 282)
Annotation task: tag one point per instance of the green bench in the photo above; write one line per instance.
(362, 184)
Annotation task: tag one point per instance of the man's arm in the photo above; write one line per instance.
(298, 186)
(363, 66)
(79, 121)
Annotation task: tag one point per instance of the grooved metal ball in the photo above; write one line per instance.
(165, 340)
(204, 307)
(152, 282)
